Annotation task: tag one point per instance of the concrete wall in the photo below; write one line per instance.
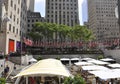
(24, 61)
(67, 56)
(114, 53)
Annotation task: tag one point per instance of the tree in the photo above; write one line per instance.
(47, 32)
(75, 80)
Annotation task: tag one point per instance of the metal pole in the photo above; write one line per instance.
(21, 48)
(26, 79)
(119, 18)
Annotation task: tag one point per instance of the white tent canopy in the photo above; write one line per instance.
(87, 59)
(32, 60)
(107, 74)
(46, 67)
(94, 67)
(98, 62)
(64, 59)
(116, 65)
(107, 59)
(83, 63)
(75, 59)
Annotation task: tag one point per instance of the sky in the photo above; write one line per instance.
(40, 7)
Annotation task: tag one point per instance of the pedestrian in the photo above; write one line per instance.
(7, 67)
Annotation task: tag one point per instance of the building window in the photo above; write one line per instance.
(32, 20)
(28, 30)
(9, 27)
(14, 18)
(36, 20)
(14, 7)
(28, 20)
(11, 3)
(47, 15)
(16, 31)
(28, 25)
(17, 20)
(18, 11)
(13, 29)
(11, 15)
(18, 1)
(32, 25)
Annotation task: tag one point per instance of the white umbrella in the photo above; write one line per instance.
(64, 59)
(32, 60)
(75, 59)
(47, 67)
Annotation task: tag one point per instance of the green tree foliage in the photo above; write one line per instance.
(2, 80)
(100, 57)
(51, 32)
(39, 58)
(75, 80)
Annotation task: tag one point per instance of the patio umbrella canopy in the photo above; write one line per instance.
(65, 61)
(32, 60)
(73, 60)
(46, 67)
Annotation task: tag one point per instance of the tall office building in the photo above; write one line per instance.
(102, 20)
(62, 12)
(30, 5)
(32, 18)
(14, 27)
(118, 12)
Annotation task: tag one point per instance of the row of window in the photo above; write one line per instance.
(62, 4)
(64, 0)
(71, 8)
(13, 29)
(64, 12)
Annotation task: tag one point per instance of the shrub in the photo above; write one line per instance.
(75, 80)
(58, 58)
(2, 80)
(100, 57)
(39, 58)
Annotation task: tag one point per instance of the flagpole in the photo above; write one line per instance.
(21, 48)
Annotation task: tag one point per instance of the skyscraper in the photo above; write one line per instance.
(30, 5)
(62, 12)
(102, 20)
(32, 18)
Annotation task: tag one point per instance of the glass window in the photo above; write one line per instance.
(13, 29)
(11, 3)
(9, 27)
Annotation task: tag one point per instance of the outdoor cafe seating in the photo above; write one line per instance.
(99, 70)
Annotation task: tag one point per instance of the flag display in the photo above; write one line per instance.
(28, 41)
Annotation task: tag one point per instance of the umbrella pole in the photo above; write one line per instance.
(26, 80)
(59, 79)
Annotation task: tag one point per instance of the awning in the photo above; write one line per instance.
(46, 67)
